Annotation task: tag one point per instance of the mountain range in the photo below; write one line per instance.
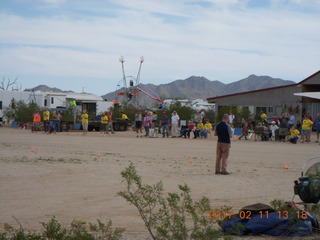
(191, 88)
(45, 88)
(201, 88)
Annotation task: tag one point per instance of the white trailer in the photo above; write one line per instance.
(8, 97)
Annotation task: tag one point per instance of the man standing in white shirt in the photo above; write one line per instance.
(231, 118)
(174, 124)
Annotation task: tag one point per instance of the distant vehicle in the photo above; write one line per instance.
(118, 124)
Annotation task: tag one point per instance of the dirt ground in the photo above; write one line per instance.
(61, 175)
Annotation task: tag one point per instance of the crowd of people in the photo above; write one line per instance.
(173, 126)
(284, 128)
(147, 122)
(51, 123)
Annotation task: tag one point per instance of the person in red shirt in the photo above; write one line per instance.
(36, 121)
(244, 126)
(191, 127)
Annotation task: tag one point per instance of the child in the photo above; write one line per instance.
(191, 127)
(198, 129)
(244, 126)
(273, 129)
(294, 133)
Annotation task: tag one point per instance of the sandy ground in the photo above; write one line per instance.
(64, 177)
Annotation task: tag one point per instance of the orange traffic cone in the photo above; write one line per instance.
(98, 154)
(32, 149)
(285, 166)
(190, 160)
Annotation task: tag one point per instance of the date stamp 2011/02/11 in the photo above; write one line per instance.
(219, 215)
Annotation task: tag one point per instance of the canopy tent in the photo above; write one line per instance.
(315, 95)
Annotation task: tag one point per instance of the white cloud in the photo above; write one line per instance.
(55, 2)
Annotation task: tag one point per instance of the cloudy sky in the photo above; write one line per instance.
(76, 44)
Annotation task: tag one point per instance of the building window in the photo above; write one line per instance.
(0, 104)
(52, 100)
(45, 102)
(260, 109)
(270, 109)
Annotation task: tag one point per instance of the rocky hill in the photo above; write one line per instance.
(45, 88)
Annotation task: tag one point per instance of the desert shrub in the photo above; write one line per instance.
(53, 230)
(171, 216)
(11, 233)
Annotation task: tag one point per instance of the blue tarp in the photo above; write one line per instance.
(271, 224)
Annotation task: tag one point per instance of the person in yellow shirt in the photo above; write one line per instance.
(263, 117)
(46, 120)
(199, 128)
(206, 129)
(85, 122)
(125, 118)
(294, 133)
(306, 129)
(103, 127)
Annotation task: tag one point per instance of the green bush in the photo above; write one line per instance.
(53, 230)
(21, 112)
(238, 112)
(174, 216)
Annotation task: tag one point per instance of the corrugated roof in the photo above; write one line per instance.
(258, 90)
(264, 89)
(315, 95)
(316, 73)
(78, 96)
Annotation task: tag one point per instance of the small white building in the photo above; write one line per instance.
(196, 104)
(200, 104)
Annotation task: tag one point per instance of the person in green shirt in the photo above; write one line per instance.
(73, 103)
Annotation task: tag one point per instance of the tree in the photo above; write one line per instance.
(21, 112)
(210, 115)
(238, 112)
(184, 112)
(6, 84)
